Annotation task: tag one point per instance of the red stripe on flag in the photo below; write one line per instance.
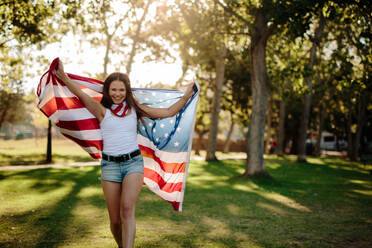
(167, 167)
(63, 103)
(50, 107)
(66, 103)
(85, 79)
(86, 143)
(163, 185)
(79, 125)
(175, 204)
(95, 155)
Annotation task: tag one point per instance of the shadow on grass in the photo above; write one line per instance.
(301, 206)
(48, 224)
(36, 158)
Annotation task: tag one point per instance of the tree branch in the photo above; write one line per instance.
(7, 3)
(230, 10)
(232, 33)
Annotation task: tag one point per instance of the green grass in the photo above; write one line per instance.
(33, 151)
(323, 203)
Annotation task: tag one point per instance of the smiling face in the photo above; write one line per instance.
(117, 91)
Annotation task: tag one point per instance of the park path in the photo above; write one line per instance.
(96, 163)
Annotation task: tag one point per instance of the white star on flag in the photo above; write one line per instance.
(166, 135)
(162, 125)
(176, 144)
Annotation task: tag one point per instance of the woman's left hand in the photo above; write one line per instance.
(190, 90)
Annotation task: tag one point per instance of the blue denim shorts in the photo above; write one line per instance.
(115, 172)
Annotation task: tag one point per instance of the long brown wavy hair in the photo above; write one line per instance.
(129, 98)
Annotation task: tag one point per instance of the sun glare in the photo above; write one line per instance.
(81, 58)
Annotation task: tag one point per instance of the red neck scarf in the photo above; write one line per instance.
(119, 110)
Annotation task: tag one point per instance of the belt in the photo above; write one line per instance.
(121, 158)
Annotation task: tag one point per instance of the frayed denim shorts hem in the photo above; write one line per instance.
(116, 172)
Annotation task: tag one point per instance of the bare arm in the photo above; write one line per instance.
(93, 106)
(170, 111)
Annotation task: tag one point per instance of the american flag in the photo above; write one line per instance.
(165, 144)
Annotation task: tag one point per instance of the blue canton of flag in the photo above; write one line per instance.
(166, 143)
(171, 134)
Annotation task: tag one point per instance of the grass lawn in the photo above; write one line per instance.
(323, 203)
(33, 151)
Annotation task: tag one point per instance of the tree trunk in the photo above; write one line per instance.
(260, 93)
(216, 104)
(360, 124)
(185, 67)
(307, 104)
(350, 134)
(226, 148)
(199, 143)
(268, 127)
(136, 38)
(281, 135)
(106, 59)
(317, 150)
(2, 116)
(6, 100)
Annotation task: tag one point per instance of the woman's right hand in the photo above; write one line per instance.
(60, 73)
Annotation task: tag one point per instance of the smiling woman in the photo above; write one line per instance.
(122, 165)
(117, 92)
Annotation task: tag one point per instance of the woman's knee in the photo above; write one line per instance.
(127, 211)
(115, 222)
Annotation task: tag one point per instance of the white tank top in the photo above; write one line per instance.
(119, 133)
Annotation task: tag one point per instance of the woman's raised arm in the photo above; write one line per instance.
(170, 111)
(93, 106)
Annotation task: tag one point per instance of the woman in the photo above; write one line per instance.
(122, 164)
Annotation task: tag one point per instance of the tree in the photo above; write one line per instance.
(124, 30)
(308, 81)
(26, 24)
(237, 90)
(202, 122)
(285, 68)
(199, 29)
(262, 20)
(359, 36)
(344, 75)
(11, 107)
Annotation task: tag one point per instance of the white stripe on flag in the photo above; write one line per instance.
(168, 177)
(91, 93)
(91, 149)
(95, 87)
(46, 95)
(74, 114)
(168, 157)
(94, 134)
(153, 186)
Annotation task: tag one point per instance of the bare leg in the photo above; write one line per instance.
(131, 187)
(112, 192)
